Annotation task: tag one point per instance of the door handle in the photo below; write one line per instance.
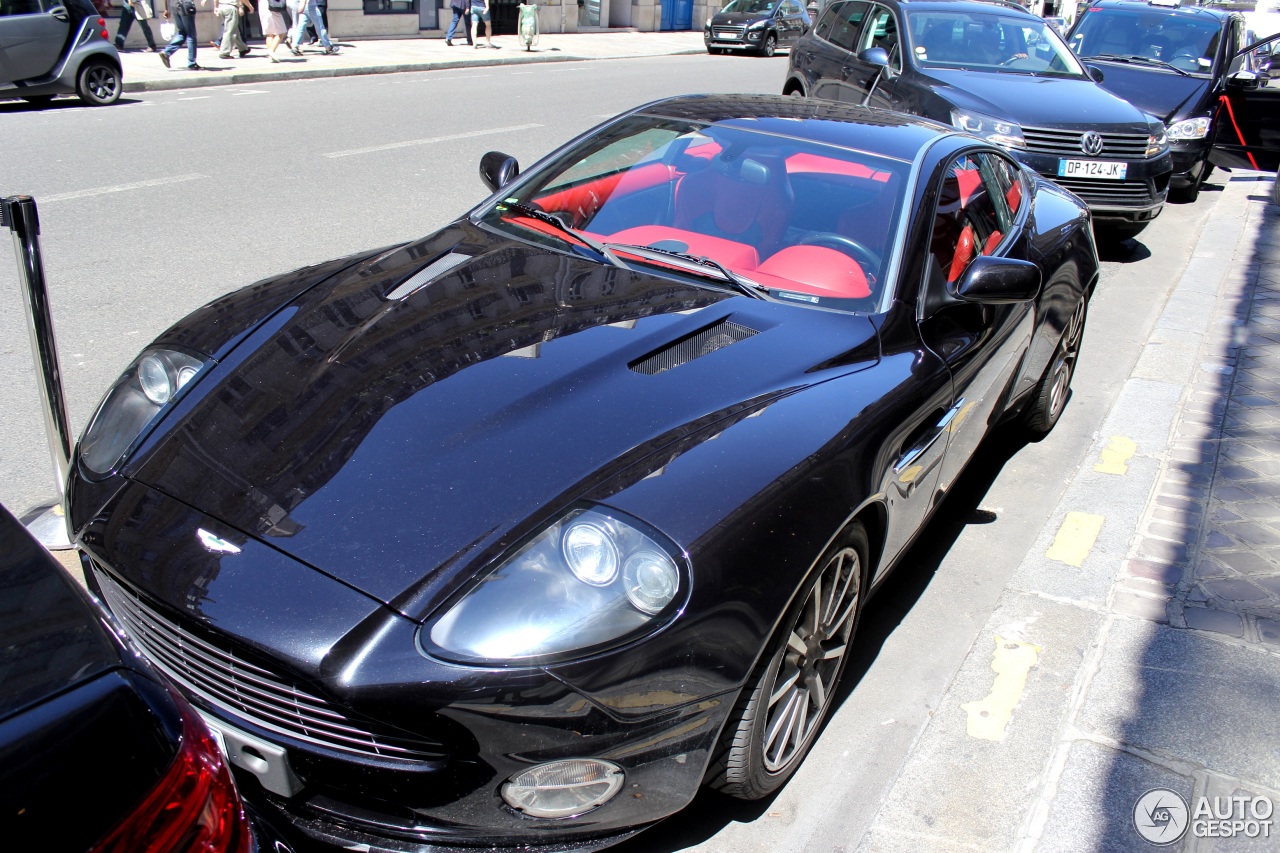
(930, 438)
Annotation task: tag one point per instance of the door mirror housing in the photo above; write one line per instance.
(876, 56)
(1246, 80)
(498, 169)
(997, 281)
(1095, 73)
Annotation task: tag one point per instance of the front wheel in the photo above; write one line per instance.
(770, 45)
(1050, 396)
(98, 83)
(781, 709)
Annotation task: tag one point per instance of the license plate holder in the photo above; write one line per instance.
(1106, 170)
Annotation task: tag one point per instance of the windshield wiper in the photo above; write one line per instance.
(553, 220)
(698, 264)
(1141, 60)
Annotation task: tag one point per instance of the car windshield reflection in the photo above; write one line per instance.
(990, 42)
(804, 222)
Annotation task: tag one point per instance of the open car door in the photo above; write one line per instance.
(1249, 132)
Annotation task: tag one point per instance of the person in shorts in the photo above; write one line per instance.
(480, 14)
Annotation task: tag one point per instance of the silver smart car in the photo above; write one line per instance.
(57, 47)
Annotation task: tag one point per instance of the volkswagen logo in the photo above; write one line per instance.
(1091, 143)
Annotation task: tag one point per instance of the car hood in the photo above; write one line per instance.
(1164, 94)
(1039, 101)
(384, 440)
(737, 18)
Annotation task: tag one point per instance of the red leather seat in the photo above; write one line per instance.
(748, 200)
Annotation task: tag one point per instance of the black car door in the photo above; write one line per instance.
(790, 21)
(860, 77)
(980, 197)
(1249, 131)
(832, 51)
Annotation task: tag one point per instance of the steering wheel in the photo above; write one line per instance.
(869, 260)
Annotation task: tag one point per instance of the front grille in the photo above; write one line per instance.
(727, 32)
(1117, 193)
(1066, 143)
(224, 679)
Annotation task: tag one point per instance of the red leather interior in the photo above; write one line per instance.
(963, 255)
(813, 269)
(727, 252)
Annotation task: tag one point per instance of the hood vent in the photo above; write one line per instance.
(424, 276)
(710, 339)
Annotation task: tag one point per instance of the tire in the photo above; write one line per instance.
(1188, 194)
(770, 45)
(1050, 396)
(98, 83)
(791, 688)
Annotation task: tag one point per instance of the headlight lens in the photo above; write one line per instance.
(591, 579)
(146, 389)
(998, 131)
(1192, 128)
(1157, 142)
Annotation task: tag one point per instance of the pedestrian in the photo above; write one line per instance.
(130, 11)
(274, 29)
(229, 12)
(309, 12)
(461, 12)
(480, 15)
(183, 13)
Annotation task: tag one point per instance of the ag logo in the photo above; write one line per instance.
(1160, 816)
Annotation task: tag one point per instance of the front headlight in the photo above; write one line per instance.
(1157, 142)
(996, 130)
(1192, 128)
(149, 387)
(593, 578)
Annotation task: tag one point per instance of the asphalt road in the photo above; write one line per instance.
(151, 208)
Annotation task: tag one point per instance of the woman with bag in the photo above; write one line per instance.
(271, 16)
(129, 11)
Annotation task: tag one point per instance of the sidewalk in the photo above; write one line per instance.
(143, 71)
(1137, 647)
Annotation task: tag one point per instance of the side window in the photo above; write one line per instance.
(823, 28)
(881, 30)
(971, 217)
(1006, 187)
(19, 7)
(845, 29)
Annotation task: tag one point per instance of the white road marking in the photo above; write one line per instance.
(430, 141)
(251, 92)
(119, 188)
(196, 98)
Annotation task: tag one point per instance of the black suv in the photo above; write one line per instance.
(1190, 66)
(1000, 73)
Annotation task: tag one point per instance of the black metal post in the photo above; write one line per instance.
(18, 214)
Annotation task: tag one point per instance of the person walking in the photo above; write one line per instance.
(308, 11)
(271, 16)
(461, 12)
(130, 11)
(229, 12)
(480, 15)
(183, 13)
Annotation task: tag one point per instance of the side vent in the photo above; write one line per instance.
(424, 276)
(698, 344)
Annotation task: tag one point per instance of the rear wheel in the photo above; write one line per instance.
(780, 711)
(1188, 194)
(1050, 397)
(98, 83)
(770, 45)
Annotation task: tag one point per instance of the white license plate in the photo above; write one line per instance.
(1107, 170)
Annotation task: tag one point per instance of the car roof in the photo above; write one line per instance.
(953, 5)
(1181, 11)
(877, 131)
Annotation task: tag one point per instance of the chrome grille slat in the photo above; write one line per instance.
(1066, 143)
(252, 692)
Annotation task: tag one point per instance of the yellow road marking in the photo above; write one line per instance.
(1012, 661)
(1114, 456)
(1075, 538)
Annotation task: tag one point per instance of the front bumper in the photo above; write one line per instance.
(1189, 160)
(1138, 198)
(733, 39)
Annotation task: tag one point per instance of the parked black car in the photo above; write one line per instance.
(516, 534)
(96, 752)
(759, 26)
(1000, 73)
(1192, 67)
(50, 48)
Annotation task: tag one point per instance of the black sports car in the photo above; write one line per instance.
(517, 534)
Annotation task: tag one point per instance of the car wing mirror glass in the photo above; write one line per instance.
(498, 169)
(997, 281)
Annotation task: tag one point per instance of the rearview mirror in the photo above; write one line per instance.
(498, 169)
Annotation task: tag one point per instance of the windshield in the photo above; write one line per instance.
(753, 7)
(787, 218)
(1187, 43)
(990, 41)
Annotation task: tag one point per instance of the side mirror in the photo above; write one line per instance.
(997, 281)
(876, 56)
(498, 169)
(1095, 73)
(1246, 80)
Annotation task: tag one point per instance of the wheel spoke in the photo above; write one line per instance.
(783, 687)
(835, 652)
(819, 689)
(796, 643)
(781, 726)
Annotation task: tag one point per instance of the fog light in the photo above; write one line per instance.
(563, 788)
